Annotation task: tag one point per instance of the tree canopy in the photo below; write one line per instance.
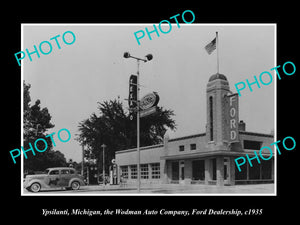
(37, 121)
(114, 129)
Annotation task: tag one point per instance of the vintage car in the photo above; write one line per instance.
(58, 177)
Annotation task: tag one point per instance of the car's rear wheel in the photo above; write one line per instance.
(75, 185)
(35, 187)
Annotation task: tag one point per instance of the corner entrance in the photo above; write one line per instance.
(212, 170)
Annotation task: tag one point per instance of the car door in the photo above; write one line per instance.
(65, 176)
(53, 178)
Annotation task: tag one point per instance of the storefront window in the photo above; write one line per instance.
(198, 170)
(144, 171)
(124, 172)
(155, 170)
(133, 172)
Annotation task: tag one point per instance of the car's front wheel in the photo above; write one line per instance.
(35, 187)
(75, 185)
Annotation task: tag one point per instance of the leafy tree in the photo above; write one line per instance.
(114, 129)
(37, 121)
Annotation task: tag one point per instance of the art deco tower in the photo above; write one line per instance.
(216, 91)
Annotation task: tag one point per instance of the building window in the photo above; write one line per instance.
(155, 170)
(211, 124)
(193, 146)
(181, 148)
(241, 175)
(198, 170)
(124, 172)
(214, 167)
(254, 145)
(133, 172)
(144, 171)
(266, 169)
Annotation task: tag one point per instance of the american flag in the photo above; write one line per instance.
(211, 46)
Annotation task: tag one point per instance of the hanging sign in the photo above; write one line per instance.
(149, 100)
(132, 99)
(148, 111)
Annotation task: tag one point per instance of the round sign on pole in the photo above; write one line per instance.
(149, 100)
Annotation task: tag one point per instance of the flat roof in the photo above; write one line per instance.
(141, 148)
(187, 137)
(256, 134)
(192, 136)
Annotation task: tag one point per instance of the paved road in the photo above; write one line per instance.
(256, 189)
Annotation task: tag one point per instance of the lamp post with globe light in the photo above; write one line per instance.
(147, 58)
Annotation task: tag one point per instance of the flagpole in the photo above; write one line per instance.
(217, 46)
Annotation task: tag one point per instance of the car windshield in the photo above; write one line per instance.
(46, 171)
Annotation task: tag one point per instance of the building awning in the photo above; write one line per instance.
(211, 154)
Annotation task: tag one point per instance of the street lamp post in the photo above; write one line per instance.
(82, 161)
(148, 58)
(103, 163)
(37, 129)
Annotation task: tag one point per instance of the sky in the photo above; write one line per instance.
(71, 80)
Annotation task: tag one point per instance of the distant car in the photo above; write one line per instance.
(64, 177)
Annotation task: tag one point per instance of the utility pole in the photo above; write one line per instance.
(103, 163)
(82, 162)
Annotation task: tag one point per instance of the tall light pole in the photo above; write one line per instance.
(147, 58)
(103, 163)
(82, 161)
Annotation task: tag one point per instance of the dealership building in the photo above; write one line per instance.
(204, 158)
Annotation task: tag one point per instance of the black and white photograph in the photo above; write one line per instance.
(193, 131)
(144, 113)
